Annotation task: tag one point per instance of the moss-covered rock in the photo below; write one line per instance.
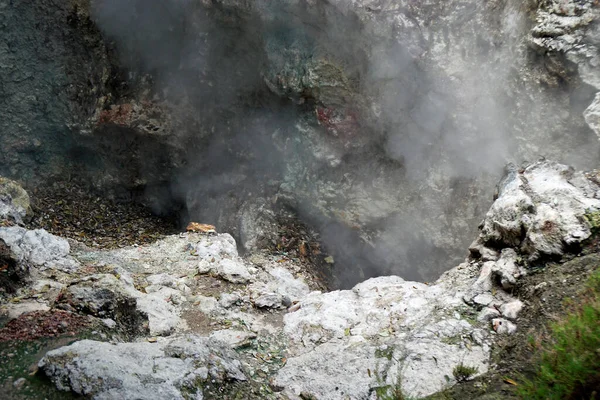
(14, 201)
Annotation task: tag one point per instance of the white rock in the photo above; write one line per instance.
(144, 371)
(511, 310)
(269, 300)
(592, 115)
(109, 323)
(39, 248)
(503, 326)
(506, 268)
(483, 299)
(233, 271)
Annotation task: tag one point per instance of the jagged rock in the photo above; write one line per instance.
(512, 309)
(269, 300)
(488, 314)
(503, 326)
(331, 330)
(280, 290)
(540, 211)
(226, 300)
(14, 202)
(108, 296)
(233, 271)
(385, 330)
(170, 368)
(483, 299)
(39, 248)
(592, 115)
(506, 269)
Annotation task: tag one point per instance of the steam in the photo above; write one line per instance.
(429, 135)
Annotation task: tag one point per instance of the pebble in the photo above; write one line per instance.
(19, 383)
(502, 325)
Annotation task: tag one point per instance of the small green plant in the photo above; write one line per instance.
(389, 392)
(569, 366)
(593, 220)
(462, 372)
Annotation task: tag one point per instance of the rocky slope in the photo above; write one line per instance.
(190, 318)
(356, 114)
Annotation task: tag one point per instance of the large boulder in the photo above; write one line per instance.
(39, 248)
(173, 368)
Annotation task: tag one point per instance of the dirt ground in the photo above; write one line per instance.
(69, 210)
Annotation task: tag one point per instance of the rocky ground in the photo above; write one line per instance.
(186, 317)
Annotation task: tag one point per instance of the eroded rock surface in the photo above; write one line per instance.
(173, 368)
(357, 114)
(256, 328)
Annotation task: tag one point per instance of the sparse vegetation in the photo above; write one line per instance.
(593, 220)
(570, 362)
(389, 392)
(463, 372)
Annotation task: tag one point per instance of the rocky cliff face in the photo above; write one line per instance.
(384, 124)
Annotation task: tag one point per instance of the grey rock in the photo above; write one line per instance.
(233, 338)
(592, 115)
(14, 202)
(483, 299)
(109, 297)
(539, 211)
(233, 271)
(165, 369)
(39, 248)
(506, 269)
(14, 310)
(487, 314)
(227, 300)
(109, 323)
(19, 383)
(269, 300)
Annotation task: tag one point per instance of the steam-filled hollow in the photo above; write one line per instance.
(378, 135)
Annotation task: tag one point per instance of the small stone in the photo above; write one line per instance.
(503, 326)
(19, 383)
(228, 299)
(233, 271)
(109, 323)
(286, 301)
(540, 286)
(268, 300)
(511, 310)
(487, 314)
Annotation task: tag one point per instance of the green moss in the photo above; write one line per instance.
(593, 220)
(17, 194)
(569, 367)
(20, 360)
